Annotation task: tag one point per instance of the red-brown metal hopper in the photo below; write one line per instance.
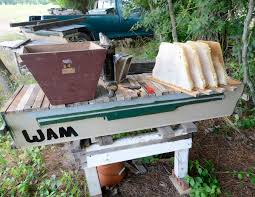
(67, 73)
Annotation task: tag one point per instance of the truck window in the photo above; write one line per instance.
(104, 4)
(103, 7)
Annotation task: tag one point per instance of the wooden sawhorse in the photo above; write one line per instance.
(164, 140)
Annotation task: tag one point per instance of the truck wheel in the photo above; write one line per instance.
(80, 37)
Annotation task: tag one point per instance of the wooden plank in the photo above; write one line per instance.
(181, 158)
(21, 43)
(93, 182)
(57, 24)
(125, 152)
(11, 99)
(162, 88)
(20, 24)
(141, 67)
(157, 90)
(233, 82)
(56, 106)
(32, 98)
(206, 91)
(46, 103)
(17, 99)
(219, 89)
(25, 98)
(38, 100)
(178, 89)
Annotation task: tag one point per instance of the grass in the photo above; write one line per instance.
(14, 13)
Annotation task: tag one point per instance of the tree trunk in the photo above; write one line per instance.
(173, 21)
(246, 75)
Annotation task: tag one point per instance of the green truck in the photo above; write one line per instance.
(107, 18)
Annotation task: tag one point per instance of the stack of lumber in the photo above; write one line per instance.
(194, 66)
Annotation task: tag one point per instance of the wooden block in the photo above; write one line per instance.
(105, 140)
(166, 132)
(139, 166)
(189, 127)
(182, 191)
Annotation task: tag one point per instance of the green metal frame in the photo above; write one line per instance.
(127, 111)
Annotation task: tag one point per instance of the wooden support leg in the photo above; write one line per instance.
(181, 158)
(93, 182)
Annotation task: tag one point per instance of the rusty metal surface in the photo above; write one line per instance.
(67, 73)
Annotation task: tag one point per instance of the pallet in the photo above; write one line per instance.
(32, 97)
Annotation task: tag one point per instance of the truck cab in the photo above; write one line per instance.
(107, 17)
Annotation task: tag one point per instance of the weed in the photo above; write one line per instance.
(202, 180)
(150, 160)
(242, 175)
(23, 173)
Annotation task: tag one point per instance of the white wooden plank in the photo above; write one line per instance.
(93, 182)
(181, 158)
(25, 98)
(137, 152)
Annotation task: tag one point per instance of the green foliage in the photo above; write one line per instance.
(242, 175)
(150, 159)
(219, 20)
(202, 180)
(81, 5)
(23, 173)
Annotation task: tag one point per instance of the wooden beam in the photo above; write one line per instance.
(141, 67)
(57, 24)
(93, 182)
(20, 24)
(181, 158)
(128, 153)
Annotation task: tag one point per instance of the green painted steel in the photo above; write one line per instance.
(129, 111)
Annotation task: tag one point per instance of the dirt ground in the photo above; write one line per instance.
(227, 149)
